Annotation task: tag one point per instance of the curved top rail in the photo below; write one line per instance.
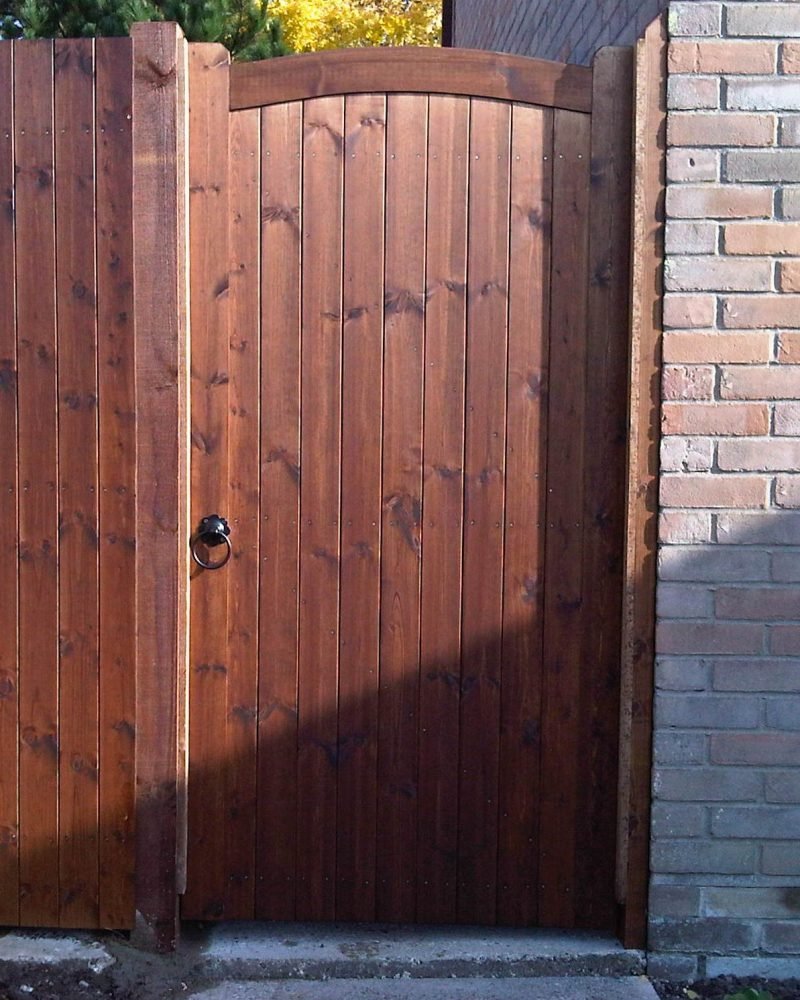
(467, 72)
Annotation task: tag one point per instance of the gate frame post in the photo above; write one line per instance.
(638, 620)
(160, 197)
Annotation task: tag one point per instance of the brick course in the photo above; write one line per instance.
(727, 738)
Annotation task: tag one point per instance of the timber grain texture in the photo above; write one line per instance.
(641, 514)
(412, 70)
(406, 276)
(67, 592)
(159, 167)
(437, 294)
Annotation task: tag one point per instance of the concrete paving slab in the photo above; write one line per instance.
(347, 951)
(53, 949)
(542, 988)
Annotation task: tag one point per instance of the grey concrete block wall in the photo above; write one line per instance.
(567, 30)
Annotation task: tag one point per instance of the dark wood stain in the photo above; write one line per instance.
(406, 513)
(281, 213)
(282, 455)
(421, 686)
(403, 300)
(8, 378)
(211, 668)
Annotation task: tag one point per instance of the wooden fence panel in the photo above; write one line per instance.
(67, 714)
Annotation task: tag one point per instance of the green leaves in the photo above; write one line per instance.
(750, 994)
(244, 27)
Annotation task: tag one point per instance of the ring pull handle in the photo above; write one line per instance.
(212, 532)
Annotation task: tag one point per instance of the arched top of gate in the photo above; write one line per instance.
(464, 72)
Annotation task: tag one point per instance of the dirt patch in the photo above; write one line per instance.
(27, 983)
(722, 986)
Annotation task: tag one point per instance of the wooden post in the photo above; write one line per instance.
(160, 191)
(605, 446)
(638, 621)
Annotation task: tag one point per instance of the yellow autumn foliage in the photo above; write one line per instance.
(311, 25)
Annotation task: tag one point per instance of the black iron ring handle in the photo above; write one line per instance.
(204, 563)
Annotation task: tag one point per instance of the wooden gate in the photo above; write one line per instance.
(409, 277)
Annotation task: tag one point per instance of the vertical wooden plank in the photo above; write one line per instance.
(562, 742)
(160, 250)
(117, 470)
(320, 507)
(38, 475)
(440, 617)
(244, 457)
(484, 501)
(360, 573)
(9, 569)
(526, 457)
(76, 296)
(281, 255)
(642, 488)
(606, 440)
(210, 771)
(185, 564)
(407, 160)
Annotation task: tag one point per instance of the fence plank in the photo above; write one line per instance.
(360, 581)
(562, 741)
(117, 470)
(281, 219)
(76, 296)
(209, 689)
(159, 193)
(523, 566)
(320, 507)
(484, 499)
(9, 486)
(38, 473)
(407, 161)
(244, 433)
(443, 450)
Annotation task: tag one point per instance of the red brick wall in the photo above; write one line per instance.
(566, 30)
